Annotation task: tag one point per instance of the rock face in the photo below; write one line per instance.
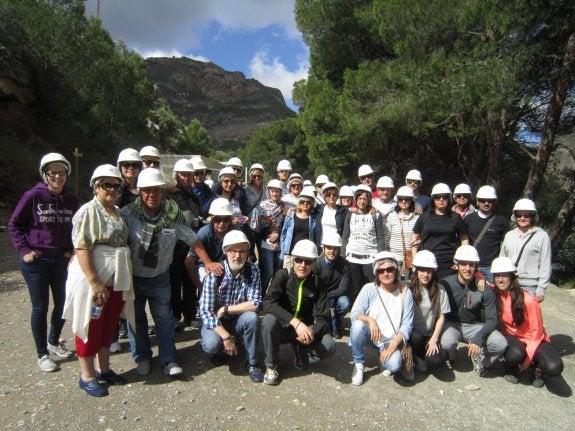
(227, 104)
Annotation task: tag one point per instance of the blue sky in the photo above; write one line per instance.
(256, 37)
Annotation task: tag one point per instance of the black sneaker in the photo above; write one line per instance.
(301, 359)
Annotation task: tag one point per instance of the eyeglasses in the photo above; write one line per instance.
(148, 162)
(331, 195)
(149, 190)
(296, 186)
(462, 196)
(417, 182)
(441, 197)
(305, 202)
(365, 177)
(228, 181)
(217, 219)
(238, 252)
(485, 201)
(133, 165)
(388, 270)
(111, 187)
(54, 174)
(523, 215)
(302, 261)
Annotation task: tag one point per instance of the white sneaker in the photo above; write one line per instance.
(46, 364)
(115, 347)
(60, 350)
(386, 373)
(357, 374)
(173, 369)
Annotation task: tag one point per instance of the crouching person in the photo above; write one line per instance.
(229, 304)
(296, 311)
(464, 322)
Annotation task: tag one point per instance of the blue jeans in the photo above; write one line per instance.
(245, 325)
(340, 306)
(360, 338)
(486, 271)
(43, 275)
(157, 292)
(270, 264)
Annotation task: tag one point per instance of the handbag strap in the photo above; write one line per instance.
(485, 227)
(402, 239)
(395, 331)
(531, 235)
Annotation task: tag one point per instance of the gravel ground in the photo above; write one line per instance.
(224, 398)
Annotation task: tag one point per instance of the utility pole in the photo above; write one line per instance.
(98, 9)
(77, 154)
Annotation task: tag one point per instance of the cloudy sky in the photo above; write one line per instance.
(256, 37)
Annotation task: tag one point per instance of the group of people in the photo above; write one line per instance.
(412, 269)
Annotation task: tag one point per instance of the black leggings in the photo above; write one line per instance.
(546, 357)
(419, 343)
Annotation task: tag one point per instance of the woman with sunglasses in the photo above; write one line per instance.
(529, 248)
(400, 224)
(330, 215)
(130, 165)
(363, 237)
(440, 230)
(431, 306)
(381, 318)
(227, 188)
(298, 225)
(294, 186)
(522, 322)
(199, 186)
(40, 228)
(270, 214)
(99, 286)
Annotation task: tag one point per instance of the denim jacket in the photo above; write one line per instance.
(287, 232)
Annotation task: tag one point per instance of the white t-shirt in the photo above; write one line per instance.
(394, 307)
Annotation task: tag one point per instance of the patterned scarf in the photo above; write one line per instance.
(149, 246)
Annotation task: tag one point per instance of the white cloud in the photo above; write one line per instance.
(172, 53)
(274, 73)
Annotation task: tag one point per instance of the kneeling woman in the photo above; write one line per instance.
(382, 317)
(99, 285)
(431, 305)
(522, 321)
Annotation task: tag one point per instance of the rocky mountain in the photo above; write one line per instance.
(227, 104)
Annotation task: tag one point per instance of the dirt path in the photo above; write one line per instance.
(224, 398)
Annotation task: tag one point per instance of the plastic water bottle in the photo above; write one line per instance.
(96, 311)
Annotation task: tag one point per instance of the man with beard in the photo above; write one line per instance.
(229, 305)
(468, 301)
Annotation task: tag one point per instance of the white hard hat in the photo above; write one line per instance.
(405, 192)
(256, 167)
(362, 188)
(321, 179)
(308, 192)
(380, 257)
(227, 171)
(293, 177)
(466, 253)
(364, 170)
(53, 158)
(332, 239)
(345, 192)
(105, 171)
(385, 182)
(151, 177)
(440, 189)
(183, 165)
(414, 174)
(235, 161)
(149, 151)
(234, 237)
(275, 184)
(221, 207)
(198, 164)
(284, 165)
(307, 183)
(486, 192)
(525, 205)
(128, 155)
(462, 189)
(502, 264)
(424, 259)
(305, 248)
(327, 186)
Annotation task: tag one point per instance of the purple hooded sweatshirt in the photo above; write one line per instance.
(42, 222)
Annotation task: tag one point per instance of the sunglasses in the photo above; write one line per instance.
(111, 187)
(400, 199)
(54, 174)
(523, 215)
(128, 165)
(301, 260)
(331, 195)
(462, 196)
(412, 182)
(151, 162)
(228, 181)
(296, 186)
(441, 197)
(257, 176)
(388, 270)
(217, 219)
(365, 177)
(306, 202)
(199, 173)
(237, 169)
(485, 201)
